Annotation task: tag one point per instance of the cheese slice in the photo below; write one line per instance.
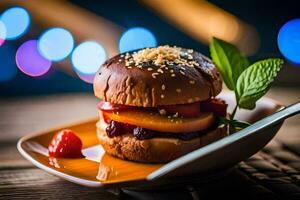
(154, 121)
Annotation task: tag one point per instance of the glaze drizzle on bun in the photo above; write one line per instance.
(157, 76)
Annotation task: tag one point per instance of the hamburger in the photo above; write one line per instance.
(158, 104)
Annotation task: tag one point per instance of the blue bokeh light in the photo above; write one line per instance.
(289, 41)
(17, 21)
(56, 44)
(136, 38)
(8, 68)
(87, 58)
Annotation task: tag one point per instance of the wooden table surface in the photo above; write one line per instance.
(19, 179)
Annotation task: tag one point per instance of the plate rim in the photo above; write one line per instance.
(49, 170)
(95, 184)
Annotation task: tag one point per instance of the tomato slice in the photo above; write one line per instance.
(185, 110)
(217, 106)
(106, 106)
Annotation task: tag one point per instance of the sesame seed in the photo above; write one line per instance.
(172, 71)
(149, 69)
(190, 100)
(120, 60)
(154, 75)
(163, 87)
(183, 68)
(162, 96)
(162, 112)
(178, 90)
(122, 56)
(182, 72)
(192, 82)
(129, 67)
(175, 115)
(160, 71)
(173, 75)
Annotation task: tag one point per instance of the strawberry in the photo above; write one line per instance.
(65, 144)
(185, 110)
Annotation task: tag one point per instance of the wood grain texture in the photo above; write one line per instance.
(20, 180)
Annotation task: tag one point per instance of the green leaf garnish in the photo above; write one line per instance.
(229, 60)
(249, 83)
(255, 81)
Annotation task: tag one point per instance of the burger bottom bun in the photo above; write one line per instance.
(155, 150)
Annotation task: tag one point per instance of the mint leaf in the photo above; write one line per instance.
(229, 60)
(233, 124)
(240, 124)
(255, 81)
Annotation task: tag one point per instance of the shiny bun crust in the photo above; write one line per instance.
(124, 82)
(155, 150)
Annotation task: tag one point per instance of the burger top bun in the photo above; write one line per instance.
(157, 76)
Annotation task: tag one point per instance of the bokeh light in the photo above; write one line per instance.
(136, 38)
(289, 41)
(87, 58)
(56, 44)
(88, 78)
(2, 33)
(30, 61)
(8, 69)
(17, 21)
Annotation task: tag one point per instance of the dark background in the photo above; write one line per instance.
(266, 16)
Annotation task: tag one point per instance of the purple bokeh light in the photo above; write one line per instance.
(29, 60)
(2, 33)
(88, 78)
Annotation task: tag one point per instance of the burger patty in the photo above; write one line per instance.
(115, 128)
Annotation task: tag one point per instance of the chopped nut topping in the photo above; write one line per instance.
(178, 90)
(162, 57)
(158, 56)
